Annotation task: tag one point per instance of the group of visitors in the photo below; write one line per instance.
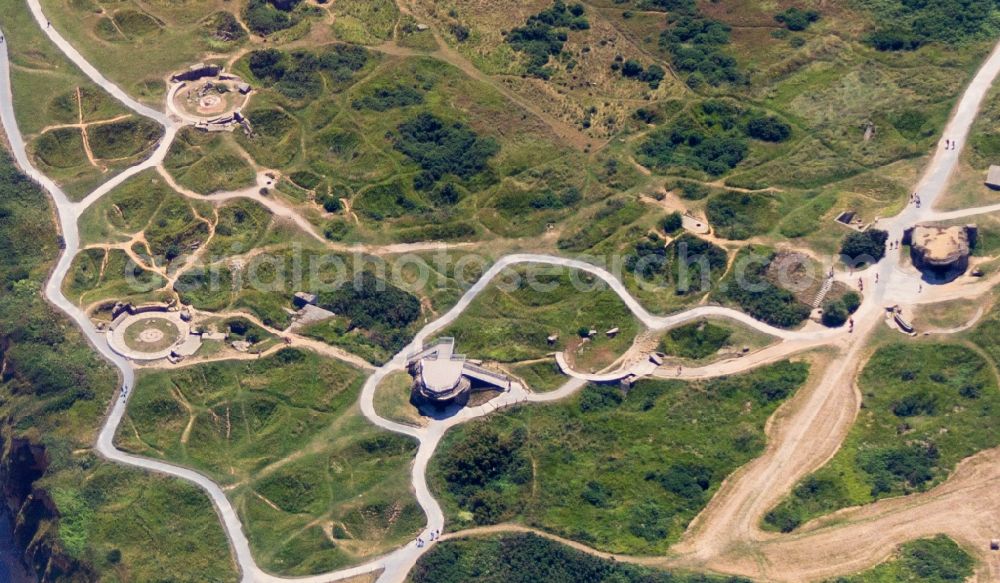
(435, 534)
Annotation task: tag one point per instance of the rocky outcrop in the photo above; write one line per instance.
(22, 464)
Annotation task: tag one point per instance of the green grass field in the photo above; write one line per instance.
(392, 399)
(316, 486)
(98, 275)
(126, 524)
(526, 558)
(207, 163)
(925, 407)
(929, 560)
(706, 340)
(621, 473)
(136, 44)
(513, 318)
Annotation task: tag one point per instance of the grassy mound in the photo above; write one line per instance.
(316, 486)
(123, 139)
(739, 216)
(207, 163)
(61, 148)
(108, 275)
(175, 230)
(125, 210)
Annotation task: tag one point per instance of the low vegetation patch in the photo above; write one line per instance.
(512, 320)
(925, 407)
(622, 473)
(713, 137)
(527, 558)
(207, 163)
(689, 264)
(929, 560)
(545, 33)
(246, 416)
(696, 340)
(756, 295)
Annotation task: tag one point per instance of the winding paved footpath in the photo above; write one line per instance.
(396, 565)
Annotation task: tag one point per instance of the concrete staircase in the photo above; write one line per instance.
(821, 294)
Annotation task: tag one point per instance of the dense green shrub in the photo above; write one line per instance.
(860, 248)
(686, 479)
(672, 223)
(913, 464)
(268, 65)
(760, 298)
(695, 45)
(685, 143)
(909, 24)
(852, 301)
(298, 74)
(711, 137)
(389, 97)
(544, 34)
(480, 464)
(768, 129)
(837, 311)
(633, 69)
(440, 147)
(696, 340)
(796, 18)
(376, 306)
(265, 17)
(834, 314)
(690, 263)
(529, 558)
(600, 397)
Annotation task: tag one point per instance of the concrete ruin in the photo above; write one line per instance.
(940, 248)
(993, 177)
(441, 376)
(196, 72)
